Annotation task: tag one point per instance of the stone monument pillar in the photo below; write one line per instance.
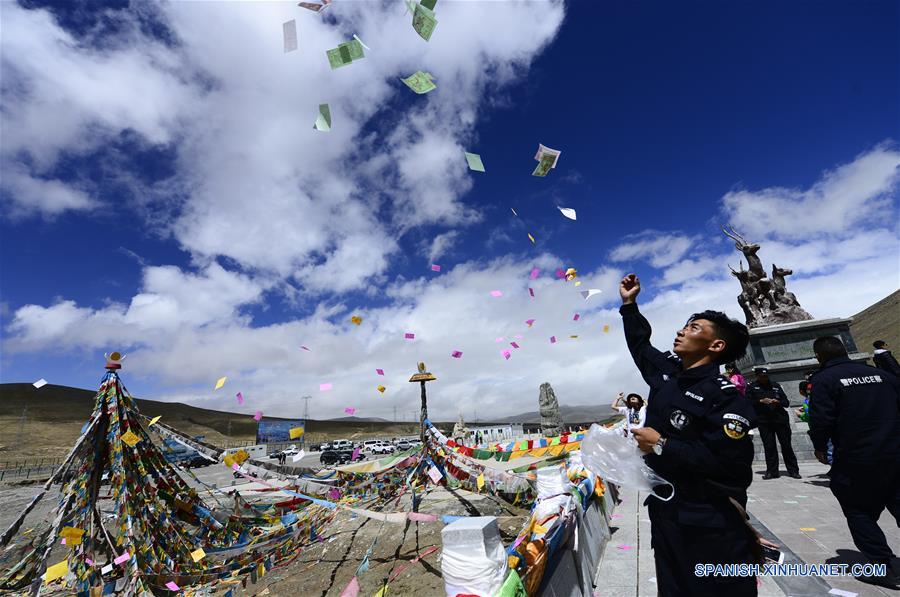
(551, 422)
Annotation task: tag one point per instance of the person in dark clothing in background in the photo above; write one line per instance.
(696, 437)
(858, 408)
(884, 359)
(770, 401)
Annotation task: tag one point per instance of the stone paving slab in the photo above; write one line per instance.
(631, 571)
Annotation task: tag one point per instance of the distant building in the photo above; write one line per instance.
(497, 433)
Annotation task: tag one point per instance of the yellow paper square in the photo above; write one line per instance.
(154, 420)
(71, 532)
(807, 529)
(240, 456)
(198, 554)
(531, 238)
(220, 383)
(296, 432)
(381, 389)
(606, 329)
(480, 481)
(130, 438)
(229, 460)
(56, 571)
(539, 528)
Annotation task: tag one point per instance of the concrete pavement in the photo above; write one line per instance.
(799, 514)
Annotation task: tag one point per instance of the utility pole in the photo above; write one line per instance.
(306, 408)
(21, 435)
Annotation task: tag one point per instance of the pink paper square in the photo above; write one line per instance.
(496, 293)
(379, 371)
(122, 558)
(513, 344)
(304, 348)
(63, 542)
(240, 398)
(577, 317)
(258, 415)
(529, 322)
(498, 340)
(518, 336)
(531, 292)
(535, 273)
(89, 561)
(409, 336)
(435, 268)
(235, 467)
(560, 273)
(456, 354)
(172, 586)
(349, 410)
(506, 354)
(325, 387)
(552, 339)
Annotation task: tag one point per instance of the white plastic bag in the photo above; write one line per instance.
(617, 459)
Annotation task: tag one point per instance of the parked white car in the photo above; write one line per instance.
(369, 445)
(383, 448)
(342, 444)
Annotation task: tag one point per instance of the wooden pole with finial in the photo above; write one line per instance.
(422, 377)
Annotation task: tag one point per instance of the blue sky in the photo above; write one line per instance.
(164, 195)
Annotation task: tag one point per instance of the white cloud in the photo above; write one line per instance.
(859, 193)
(47, 197)
(254, 182)
(658, 248)
(440, 244)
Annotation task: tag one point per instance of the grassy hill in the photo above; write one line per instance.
(881, 321)
(55, 415)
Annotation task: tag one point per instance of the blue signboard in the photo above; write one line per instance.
(268, 431)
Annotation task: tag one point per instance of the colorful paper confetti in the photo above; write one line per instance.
(381, 389)
(435, 268)
(258, 415)
(356, 319)
(534, 273)
(220, 383)
(240, 398)
(531, 292)
(531, 238)
(514, 345)
(530, 322)
(409, 336)
(350, 410)
(456, 354)
(325, 387)
(496, 293)
(552, 339)
(40, 384)
(577, 317)
(506, 354)
(379, 371)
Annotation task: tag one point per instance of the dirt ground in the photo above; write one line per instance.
(325, 568)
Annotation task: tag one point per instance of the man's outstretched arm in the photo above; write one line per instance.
(650, 361)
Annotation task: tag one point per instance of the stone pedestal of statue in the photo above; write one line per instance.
(786, 350)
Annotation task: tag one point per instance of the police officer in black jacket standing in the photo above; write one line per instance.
(857, 407)
(770, 401)
(695, 437)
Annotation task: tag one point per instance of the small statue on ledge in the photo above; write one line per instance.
(765, 300)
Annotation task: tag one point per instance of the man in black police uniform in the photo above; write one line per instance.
(857, 407)
(770, 401)
(695, 437)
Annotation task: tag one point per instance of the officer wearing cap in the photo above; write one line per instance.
(770, 401)
(857, 407)
(695, 437)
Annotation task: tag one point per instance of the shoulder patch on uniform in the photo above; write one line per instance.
(735, 426)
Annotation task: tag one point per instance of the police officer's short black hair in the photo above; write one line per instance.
(732, 331)
(804, 387)
(879, 343)
(732, 367)
(829, 347)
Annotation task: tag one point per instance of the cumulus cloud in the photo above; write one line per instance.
(859, 193)
(253, 181)
(660, 249)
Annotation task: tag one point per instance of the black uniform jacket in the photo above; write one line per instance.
(705, 420)
(885, 360)
(769, 413)
(857, 407)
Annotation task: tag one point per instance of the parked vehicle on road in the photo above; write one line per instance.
(332, 457)
(341, 444)
(369, 445)
(383, 448)
(403, 445)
